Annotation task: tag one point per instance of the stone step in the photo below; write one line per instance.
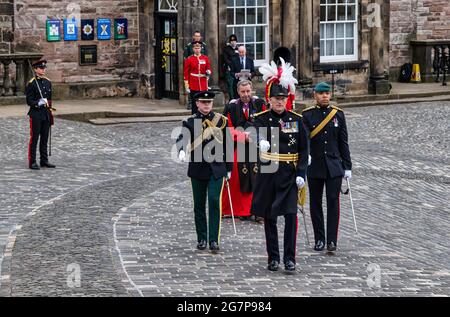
(125, 120)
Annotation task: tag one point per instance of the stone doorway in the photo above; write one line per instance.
(167, 80)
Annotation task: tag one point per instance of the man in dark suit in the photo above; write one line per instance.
(330, 162)
(239, 63)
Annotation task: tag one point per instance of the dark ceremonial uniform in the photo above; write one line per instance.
(276, 192)
(41, 118)
(244, 172)
(205, 139)
(189, 50)
(330, 157)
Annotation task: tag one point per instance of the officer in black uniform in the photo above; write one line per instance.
(39, 98)
(330, 162)
(206, 138)
(281, 174)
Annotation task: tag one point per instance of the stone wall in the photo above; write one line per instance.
(6, 26)
(354, 80)
(117, 60)
(416, 20)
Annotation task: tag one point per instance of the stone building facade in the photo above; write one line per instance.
(367, 40)
(416, 26)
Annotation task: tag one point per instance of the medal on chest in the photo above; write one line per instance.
(336, 122)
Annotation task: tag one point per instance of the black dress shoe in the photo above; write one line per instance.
(34, 166)
(244, 218)
(289, 267)
(319, 246)
(331, 247)
(273, 265)
(47, 164)
(201, 245)
(214, 247)
(259, 219)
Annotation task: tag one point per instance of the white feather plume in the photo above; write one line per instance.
(269, 71)
(287, 79)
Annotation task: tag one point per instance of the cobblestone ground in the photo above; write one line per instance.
(118, 210)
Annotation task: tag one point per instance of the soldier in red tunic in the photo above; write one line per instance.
(197, 70)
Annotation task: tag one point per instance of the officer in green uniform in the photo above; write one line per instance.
(189, 49)
(206, 138)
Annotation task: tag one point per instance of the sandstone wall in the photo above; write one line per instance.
(116, 59)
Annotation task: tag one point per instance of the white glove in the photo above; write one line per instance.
(182, 156)
(228, 175)
(300, 182)
(309, 160)
(188, 91)
(264, 146)
(208, 72)
(348, 174)
(42, 102)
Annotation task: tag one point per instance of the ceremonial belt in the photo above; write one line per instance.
(280, 157)
(198, 75)
(323, 123)
(211, 130)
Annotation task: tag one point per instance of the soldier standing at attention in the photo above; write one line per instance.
(197, 70)
(39, 98)
(330, 162)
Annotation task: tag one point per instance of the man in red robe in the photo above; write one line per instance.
(238, 112)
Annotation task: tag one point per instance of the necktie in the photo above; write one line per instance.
(242, 63)
(246, 110)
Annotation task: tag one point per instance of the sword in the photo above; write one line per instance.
(231, 204)
(351, 204)
(302, 211)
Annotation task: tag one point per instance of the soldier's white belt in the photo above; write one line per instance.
(198, 75)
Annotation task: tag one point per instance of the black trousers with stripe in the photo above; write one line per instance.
(290, 238)
(39, 132)
(333, 188)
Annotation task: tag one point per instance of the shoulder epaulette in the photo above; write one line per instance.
(309, 108)
(260, 113)
(297, 114)
(337, 108)
(31, 80)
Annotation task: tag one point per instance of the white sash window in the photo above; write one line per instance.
(338, 30)
(249, 20)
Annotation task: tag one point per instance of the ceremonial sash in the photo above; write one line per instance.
(207, 133)
(323, 123)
